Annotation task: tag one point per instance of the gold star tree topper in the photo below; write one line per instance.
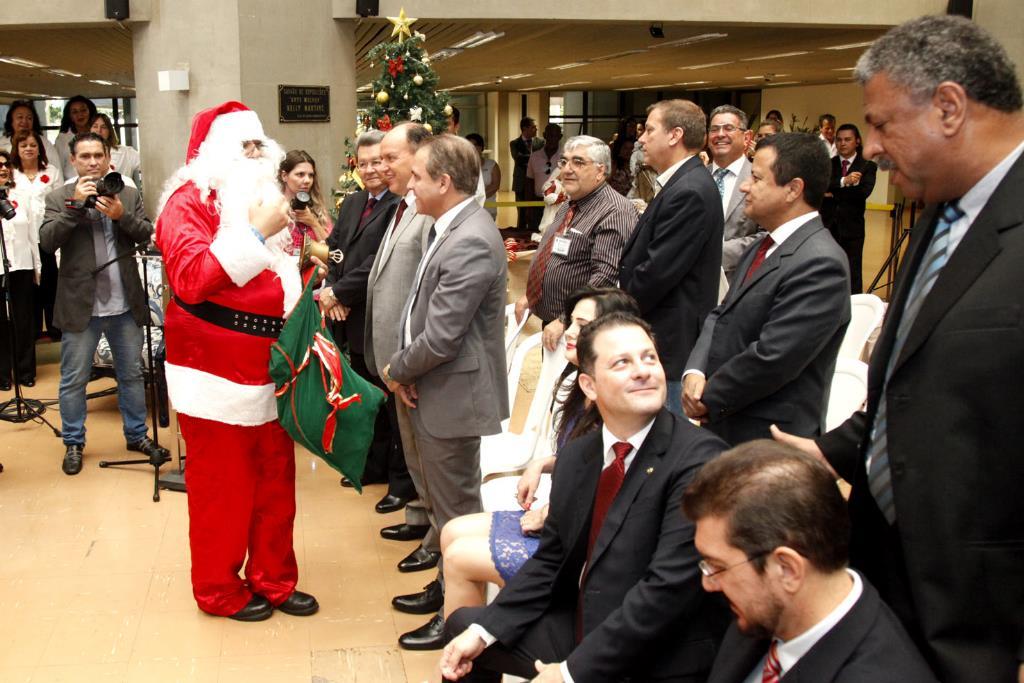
(402, 24)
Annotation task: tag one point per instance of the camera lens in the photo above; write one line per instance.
(300, 201)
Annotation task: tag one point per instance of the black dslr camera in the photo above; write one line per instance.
(107, 186)
(301, 201)
(7, 209)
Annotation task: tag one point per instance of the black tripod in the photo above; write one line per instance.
(898, 236)
(159, 457)
(19, 409)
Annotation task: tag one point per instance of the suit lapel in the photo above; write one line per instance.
(736, 199)
(399, 230)
(689, 165)
(737, 657)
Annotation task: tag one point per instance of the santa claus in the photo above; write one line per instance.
(220, 230)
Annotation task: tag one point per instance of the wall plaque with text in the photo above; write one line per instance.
(304, 103)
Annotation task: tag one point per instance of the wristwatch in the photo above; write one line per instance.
(72, 203)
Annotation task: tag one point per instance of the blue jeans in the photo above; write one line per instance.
(76, 355)
(674, 399)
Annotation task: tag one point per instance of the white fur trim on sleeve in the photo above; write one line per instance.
(240, 253)
(201, 394)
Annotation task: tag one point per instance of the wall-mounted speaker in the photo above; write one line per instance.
(367, 8)
(116, 9)
(964, 8)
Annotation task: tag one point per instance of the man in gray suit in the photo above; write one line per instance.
(728, 137)
(766, 354)
(450, 369)
(388, 286)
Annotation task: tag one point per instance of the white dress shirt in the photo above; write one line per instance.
(608, 440)
(790, 651)
(975, 199)
(830, 146)
(849, 165)
(670, 171)
(729, 181)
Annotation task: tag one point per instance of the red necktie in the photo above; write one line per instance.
(846, 167)
(762, 251)
(772, 668)
(394, 225)
(535, 278)
(370, 203)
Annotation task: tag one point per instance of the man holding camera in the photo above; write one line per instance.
(98, 292)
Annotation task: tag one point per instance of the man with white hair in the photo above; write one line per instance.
(220, 230)
(584, 243)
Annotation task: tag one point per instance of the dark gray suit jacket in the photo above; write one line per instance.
(769, 350)
(740, 231)
(867, 645)
(457, 355)
(70, 230)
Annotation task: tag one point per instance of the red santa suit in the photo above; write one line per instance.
(241, 463)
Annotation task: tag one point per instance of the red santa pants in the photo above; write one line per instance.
(241, 499)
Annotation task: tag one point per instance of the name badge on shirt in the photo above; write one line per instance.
(561, 245)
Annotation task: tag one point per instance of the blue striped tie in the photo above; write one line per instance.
(719, 177)
(879, 474)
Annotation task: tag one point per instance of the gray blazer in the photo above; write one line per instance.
(457, 355)
(70, 230)
(740, 231)
(769, 350)
(391, 278)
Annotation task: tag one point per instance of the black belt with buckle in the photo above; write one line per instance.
(232, 319)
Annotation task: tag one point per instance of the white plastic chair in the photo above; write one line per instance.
(512, 331)
(848, 391)
(866, 313)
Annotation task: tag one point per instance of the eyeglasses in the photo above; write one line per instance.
(710, 572)
(727, 128)
(578, 163)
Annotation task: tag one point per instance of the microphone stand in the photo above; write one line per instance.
(18, 409)
(158, 459)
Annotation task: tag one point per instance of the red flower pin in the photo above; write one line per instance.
(14, 204)
(45, 179)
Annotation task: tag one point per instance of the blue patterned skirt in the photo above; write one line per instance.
(510, 549)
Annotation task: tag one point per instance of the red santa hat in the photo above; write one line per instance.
(230, 121)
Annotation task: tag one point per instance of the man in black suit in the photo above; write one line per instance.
(357, 234)
(766, 355)
(673, 260)
(613, 590)
(935, 459)
(774, 533)
(852, 180)
(521, 148)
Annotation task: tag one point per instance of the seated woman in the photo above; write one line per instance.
(491, 547)
(297, 173)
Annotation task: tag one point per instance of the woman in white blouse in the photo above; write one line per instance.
(22, 117)
(21, 240)
(78, 114)
(123, 158)
(34, 177)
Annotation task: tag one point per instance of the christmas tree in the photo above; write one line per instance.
(406, 90)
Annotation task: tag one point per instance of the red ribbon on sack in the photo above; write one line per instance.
(330, 361)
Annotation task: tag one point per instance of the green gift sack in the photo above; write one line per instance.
(321, 402)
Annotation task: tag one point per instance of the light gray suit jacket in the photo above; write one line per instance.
(769, 350)
(457, 355)
(740, 231)
(391, 280)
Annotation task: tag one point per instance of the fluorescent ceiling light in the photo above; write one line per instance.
(783, 83)
(39, 96)
(445, 53)
(570, 65)
(555, 85)
(64, 72)
(616, 55)
(515, 76)
(778, 56)
(477, 39)
(615, 78)
(27, 63)
(846, 68)
(366, 87)
(626, 89)
(660, 85)
(690, 40)
(694, 83)
(704, 66)
(848, 46)
(102, 82)
(469, 85)
(765, 77)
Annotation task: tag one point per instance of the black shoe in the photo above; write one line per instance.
(419, 560)
(390, 503)
(299, 604)
(258, 609)
(427, 601)
(31, 382)
(405, 532)
(347, 483)
(145, 445)
(430, 636)
(5, 385)
(72, 459)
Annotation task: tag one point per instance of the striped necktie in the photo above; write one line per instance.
(719, 176)
(878, 468)
(772, 670)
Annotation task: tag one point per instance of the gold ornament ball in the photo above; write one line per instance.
(430, 129)
(382, 98)
(417, 79)
(448, 110)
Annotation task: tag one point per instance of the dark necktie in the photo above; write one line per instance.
(719, 177)
(370, 203)
(846, 167)
(407, 310)
(99, 245)
(762, 251)
(398, 219)
(535, 278)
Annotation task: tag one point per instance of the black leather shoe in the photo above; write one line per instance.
(426, 601)
(31, 382)
(390, 503)
(405, 532)
(258, 609)
(72, 459)
(145, 445)
(347, 483)
(430, 636)
(419, 560)
(5, 385)
(299, 604)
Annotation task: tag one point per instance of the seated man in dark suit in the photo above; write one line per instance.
(613, 590)
(774, 533)
(766, 355)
